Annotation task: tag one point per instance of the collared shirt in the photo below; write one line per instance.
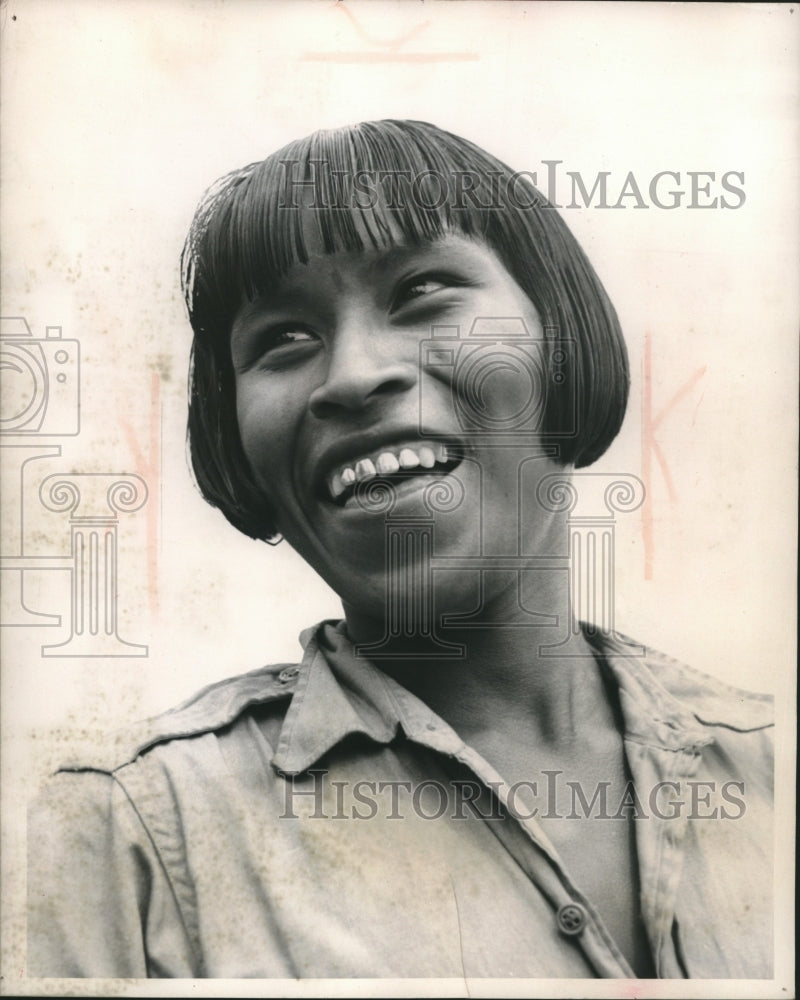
(318, 820)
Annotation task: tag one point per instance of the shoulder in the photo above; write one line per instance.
(713, 702)
(212, 709)
(667, 705)
(710, 701)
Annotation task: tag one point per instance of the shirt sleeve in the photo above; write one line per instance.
(99, 901)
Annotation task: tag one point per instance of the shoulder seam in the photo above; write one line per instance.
(212, 708)
(716, 703)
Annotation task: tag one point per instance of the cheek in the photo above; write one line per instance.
(500, 389)
(265, 426)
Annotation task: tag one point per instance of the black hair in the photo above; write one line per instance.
(355, 186)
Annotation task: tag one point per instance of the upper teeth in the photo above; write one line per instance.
(384, 463)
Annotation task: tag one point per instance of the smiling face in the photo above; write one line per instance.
(330, 380)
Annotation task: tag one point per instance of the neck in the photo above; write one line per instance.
(505, 678)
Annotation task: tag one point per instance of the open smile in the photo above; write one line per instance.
(399, 462)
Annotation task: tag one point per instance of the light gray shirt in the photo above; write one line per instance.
(318, 820)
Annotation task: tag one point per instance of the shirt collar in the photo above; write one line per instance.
(663, 702)
(667, 703)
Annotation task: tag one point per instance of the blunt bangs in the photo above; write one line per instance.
(353, 187)
(357, 188)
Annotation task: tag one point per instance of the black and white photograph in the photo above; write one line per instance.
(399, 489)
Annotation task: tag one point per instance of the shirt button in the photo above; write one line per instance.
(288, 673)
(571, 918)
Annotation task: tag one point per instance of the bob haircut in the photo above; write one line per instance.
(249, 228)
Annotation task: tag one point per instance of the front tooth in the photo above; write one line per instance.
(408, 459)
(348, 476)
(427, 459)
(364, 469)
(441, 453)
(336, 486)
(386, 463)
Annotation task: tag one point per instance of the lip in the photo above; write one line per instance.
(405, 491)
(354, 446)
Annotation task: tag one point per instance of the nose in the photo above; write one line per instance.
(363, 368)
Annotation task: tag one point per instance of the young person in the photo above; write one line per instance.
(400, 355)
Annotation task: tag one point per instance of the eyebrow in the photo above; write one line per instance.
(283, 296)
(397, 252)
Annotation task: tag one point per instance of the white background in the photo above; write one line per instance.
(115, 117)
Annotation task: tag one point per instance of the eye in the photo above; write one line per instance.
(283, 345)
(286, 337)
(421, 286)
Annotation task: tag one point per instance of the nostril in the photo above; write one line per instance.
(321, 406)
(358, 386)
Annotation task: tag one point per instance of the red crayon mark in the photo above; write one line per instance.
(150, 469)
(383, 57)
(393, 42)
(388, 48)
(651, 448)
